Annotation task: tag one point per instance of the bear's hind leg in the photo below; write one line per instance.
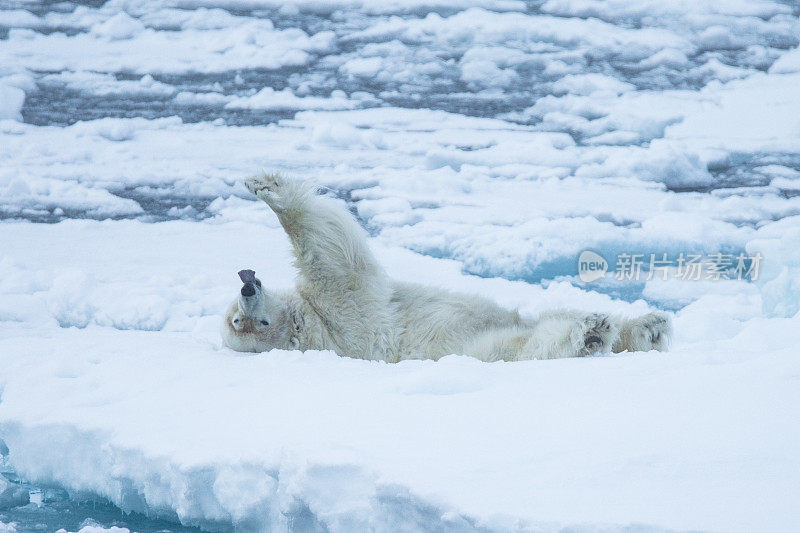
(504, 344)
(599, 334)
(652, 331)
(566, 333)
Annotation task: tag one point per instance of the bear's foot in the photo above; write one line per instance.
(264, 185)
(652, 331)
(598, 335)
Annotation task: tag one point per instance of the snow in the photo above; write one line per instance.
(638, 424)
(483, 145)
(104, 421)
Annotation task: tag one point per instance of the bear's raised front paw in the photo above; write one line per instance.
(651, 332)
(599, 334)
(264, 184)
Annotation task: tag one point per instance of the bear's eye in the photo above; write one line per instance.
(235, 320)
(264, 323)
(258, 282)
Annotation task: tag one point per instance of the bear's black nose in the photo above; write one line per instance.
(248, 289)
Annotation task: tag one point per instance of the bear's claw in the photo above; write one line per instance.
(652, 332)
(599, 334)
(263, 183)
(594, 339)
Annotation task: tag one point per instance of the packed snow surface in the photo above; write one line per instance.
(483, 145)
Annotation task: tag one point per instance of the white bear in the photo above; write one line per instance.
(345, 302)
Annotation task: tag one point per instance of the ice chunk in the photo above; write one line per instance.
(362, 66)
(11, 494)
(488, 66)
(269, 98)
(107, 84)
(588, 84)
(120, 26)
(123, 43)
(673, 166)
(91, 528)
(787, 63)
(19, 18)
(735, 122)
(11, 100)
(779, 276)
(639, 10)
(204, 99)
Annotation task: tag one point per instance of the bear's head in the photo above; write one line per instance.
(258, 320)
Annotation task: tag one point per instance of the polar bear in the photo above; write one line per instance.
(345, 302)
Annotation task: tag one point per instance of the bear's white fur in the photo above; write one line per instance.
(345, 302)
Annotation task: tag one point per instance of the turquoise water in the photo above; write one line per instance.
(47, 509)
(72, 515)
